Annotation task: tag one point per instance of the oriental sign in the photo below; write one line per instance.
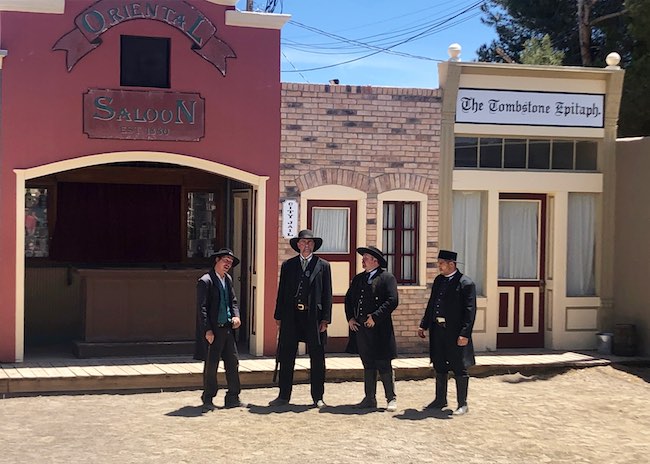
(480, 106)
(104, 14)
(143, 115)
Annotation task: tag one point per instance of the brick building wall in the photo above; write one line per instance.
(374, 139)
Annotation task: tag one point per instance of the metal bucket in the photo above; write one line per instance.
(604, 342)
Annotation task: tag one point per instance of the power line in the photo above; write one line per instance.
(423, 32)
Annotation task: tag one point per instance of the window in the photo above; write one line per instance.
(522, 154)
(581, 245)
(333, 226)
(201, 224)
(144, 61)
(36, 231)
(400, 239)
(468, 231)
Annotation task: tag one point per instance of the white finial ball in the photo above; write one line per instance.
(613, 59)
(454, 52)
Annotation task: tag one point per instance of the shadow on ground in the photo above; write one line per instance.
(415, 415)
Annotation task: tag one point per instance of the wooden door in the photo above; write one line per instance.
(335, 221)
(522, 248)
(242, 246)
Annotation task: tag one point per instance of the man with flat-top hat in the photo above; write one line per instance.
(369, 303)
(303, 311)
(449, 318)
(217, 319)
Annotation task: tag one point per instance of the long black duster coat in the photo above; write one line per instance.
(320, 299)
(386, 299)
(459, 303)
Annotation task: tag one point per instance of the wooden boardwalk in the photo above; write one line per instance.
(45, 374)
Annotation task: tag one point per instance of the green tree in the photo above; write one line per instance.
(516, 21)
(586, 31)
(541, 51)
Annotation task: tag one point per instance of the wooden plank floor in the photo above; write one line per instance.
(66, 374)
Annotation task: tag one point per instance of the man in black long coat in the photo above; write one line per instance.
(303, 311)
(449, 318)
(217, 319)
(369, 303)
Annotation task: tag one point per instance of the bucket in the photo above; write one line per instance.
(604, 343)
(624, 340)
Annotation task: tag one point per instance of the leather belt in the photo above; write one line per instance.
(301, 307)
(227, 324)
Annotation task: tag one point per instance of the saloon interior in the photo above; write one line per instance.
(113, 252)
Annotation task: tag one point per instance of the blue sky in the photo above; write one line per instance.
(380, 23)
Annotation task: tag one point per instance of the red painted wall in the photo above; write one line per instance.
(42, 117)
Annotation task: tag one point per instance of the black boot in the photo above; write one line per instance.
(370, 389)
(462, 384)
(388, 379)
(440, 400)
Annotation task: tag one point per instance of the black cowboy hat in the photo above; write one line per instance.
(308, 234)
(376, 252)
(224, 252)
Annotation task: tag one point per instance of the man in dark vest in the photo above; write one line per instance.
(369, 303)
(218, 317)
(449, 318)
(303, 311)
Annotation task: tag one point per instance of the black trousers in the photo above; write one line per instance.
(223, 347)
(448, 356)
(366, 345)
(288, 351)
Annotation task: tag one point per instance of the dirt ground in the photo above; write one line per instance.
(594, 415)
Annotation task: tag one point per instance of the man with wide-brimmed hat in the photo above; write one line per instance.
(303, 311)
(218, 318)
(369, 303)
(449, 318)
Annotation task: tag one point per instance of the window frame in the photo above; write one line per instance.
(420, 254)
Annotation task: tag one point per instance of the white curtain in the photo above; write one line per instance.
(332, 225)
(468, 232)
(518, 239)
(581, 245)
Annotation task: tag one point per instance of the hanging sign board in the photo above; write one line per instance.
(481, 106)
(289, 218)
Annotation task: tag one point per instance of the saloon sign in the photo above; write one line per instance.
(104, 14)
(479, 106)
(138, 115)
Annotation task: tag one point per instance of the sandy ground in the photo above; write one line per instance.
(594, 415)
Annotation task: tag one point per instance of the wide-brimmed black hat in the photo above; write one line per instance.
(376, 252)
(307, 234)
(225, 252)
(448, 255)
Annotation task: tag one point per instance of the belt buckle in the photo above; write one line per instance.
(441, 321)
(300, 307)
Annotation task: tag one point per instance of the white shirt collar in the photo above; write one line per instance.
(451, 275)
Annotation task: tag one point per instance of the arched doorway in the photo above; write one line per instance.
(210, 214)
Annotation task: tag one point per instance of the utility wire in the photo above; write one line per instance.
(295, 69)
(428, 31)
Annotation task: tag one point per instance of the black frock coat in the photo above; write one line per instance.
(208, 298)
(386, 299)
(459, 303)
(319, 296)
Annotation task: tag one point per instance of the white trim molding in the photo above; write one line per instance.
(33, 6)
(224, 2)
(256, 19)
